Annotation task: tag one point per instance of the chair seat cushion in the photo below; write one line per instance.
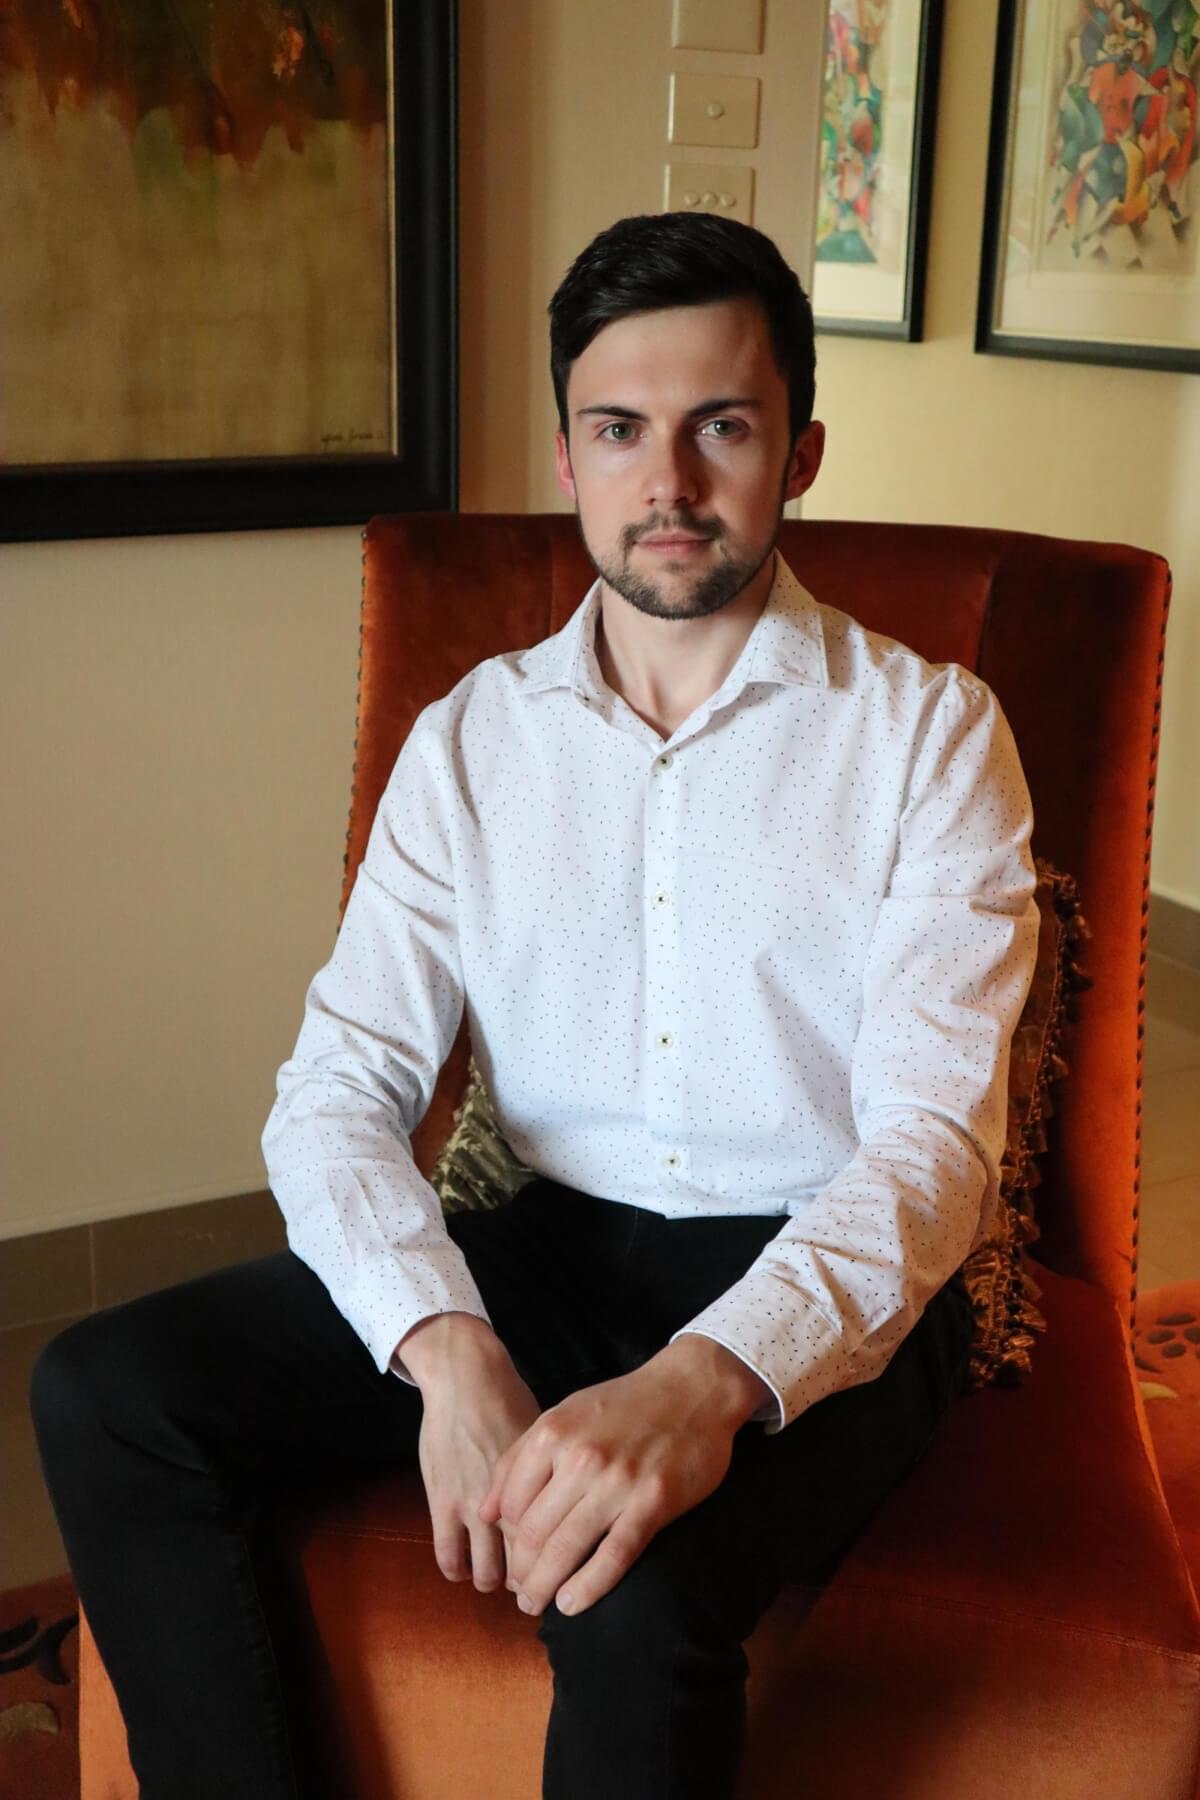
(1018, 1609)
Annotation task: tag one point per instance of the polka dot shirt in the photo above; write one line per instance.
(770, 964)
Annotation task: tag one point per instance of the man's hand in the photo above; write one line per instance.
(476, 1407)
(585, 1489)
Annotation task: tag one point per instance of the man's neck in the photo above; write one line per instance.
(665, 668)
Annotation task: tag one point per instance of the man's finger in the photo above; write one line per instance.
(612, 1558)
(538, 1573)
(450, 1547)
(487, 1557)
(543, 1461)
(561, 1521)
(489, 1506)
(594, 1528)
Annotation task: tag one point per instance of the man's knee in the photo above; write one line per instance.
(105, 1374)
(654, 1608)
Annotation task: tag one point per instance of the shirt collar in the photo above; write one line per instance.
(787, 645)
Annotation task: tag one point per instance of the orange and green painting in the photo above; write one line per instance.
(1124, 152)
(852, 128)
(195, 246)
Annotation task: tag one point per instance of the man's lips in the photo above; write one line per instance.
(673, 541)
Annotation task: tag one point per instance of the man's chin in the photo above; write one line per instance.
(681, 594)
(662, 600)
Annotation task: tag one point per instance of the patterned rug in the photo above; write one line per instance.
(39, 1692)
(1166, 1350)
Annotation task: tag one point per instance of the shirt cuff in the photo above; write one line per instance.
(788, 1342)
(391, 1289)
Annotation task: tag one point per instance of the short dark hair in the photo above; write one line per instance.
(656, 260)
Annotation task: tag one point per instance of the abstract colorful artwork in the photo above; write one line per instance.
(195, 193)
(1094, 183)
(878, 102)
(1124, 138)
(848, 225)
(198, 207)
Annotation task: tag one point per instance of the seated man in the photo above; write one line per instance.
(738, 898)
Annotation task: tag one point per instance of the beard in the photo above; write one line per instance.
(708, 592)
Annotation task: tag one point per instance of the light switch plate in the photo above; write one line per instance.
(711, 187)
(719, 110)
(717, 25)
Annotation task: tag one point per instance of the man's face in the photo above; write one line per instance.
(680, 455)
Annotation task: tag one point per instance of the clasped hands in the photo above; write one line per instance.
(581, 1493)
(565, 1501)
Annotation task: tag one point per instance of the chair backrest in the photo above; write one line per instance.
(1069, 636)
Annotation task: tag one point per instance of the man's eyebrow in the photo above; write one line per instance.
(722, 403)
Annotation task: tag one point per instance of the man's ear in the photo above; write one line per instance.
(807, 454)
(562, 465)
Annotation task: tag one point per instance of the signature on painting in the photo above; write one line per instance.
(330, 440)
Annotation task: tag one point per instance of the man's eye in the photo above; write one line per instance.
(619, 432)
(722, 428)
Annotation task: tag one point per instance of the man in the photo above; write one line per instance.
(738, 897)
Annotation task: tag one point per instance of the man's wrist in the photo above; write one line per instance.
(435, 1345)
(737, 1392)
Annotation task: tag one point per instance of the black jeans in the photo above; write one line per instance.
(170, 1425)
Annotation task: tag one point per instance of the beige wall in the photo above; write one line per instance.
(178, 725)
(179, 712)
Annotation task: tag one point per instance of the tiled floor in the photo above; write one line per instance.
(1169, 1233)
(125, 1257)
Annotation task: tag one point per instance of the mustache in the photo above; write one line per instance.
(661, 523)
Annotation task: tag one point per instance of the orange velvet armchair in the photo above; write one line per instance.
(1018, 1619)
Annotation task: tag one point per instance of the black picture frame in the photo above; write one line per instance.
(56, 501)
(990, 338)
(908, 328)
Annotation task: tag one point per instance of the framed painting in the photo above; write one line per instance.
(227, 292)
(878, 120)
(1093, 192)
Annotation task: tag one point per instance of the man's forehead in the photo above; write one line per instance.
(678, 345)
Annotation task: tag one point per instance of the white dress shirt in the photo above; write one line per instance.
(770, 964)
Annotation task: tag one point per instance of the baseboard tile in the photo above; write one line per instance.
(63, 1274)
(1175, 931)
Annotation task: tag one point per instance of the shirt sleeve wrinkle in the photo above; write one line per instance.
(380, 1019)
(831, 1297)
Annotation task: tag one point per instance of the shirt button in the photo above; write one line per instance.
(664, 762)
(665, 1040)
(672, 1161)
(662, 899)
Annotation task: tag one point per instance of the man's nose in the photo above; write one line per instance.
(672, 476)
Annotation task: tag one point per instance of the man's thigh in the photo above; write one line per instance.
(248, 1373)
(253, 1371)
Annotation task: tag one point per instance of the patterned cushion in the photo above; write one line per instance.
(998, 1275)
(476, 1168)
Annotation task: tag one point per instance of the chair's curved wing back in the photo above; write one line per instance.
(1070, 637)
